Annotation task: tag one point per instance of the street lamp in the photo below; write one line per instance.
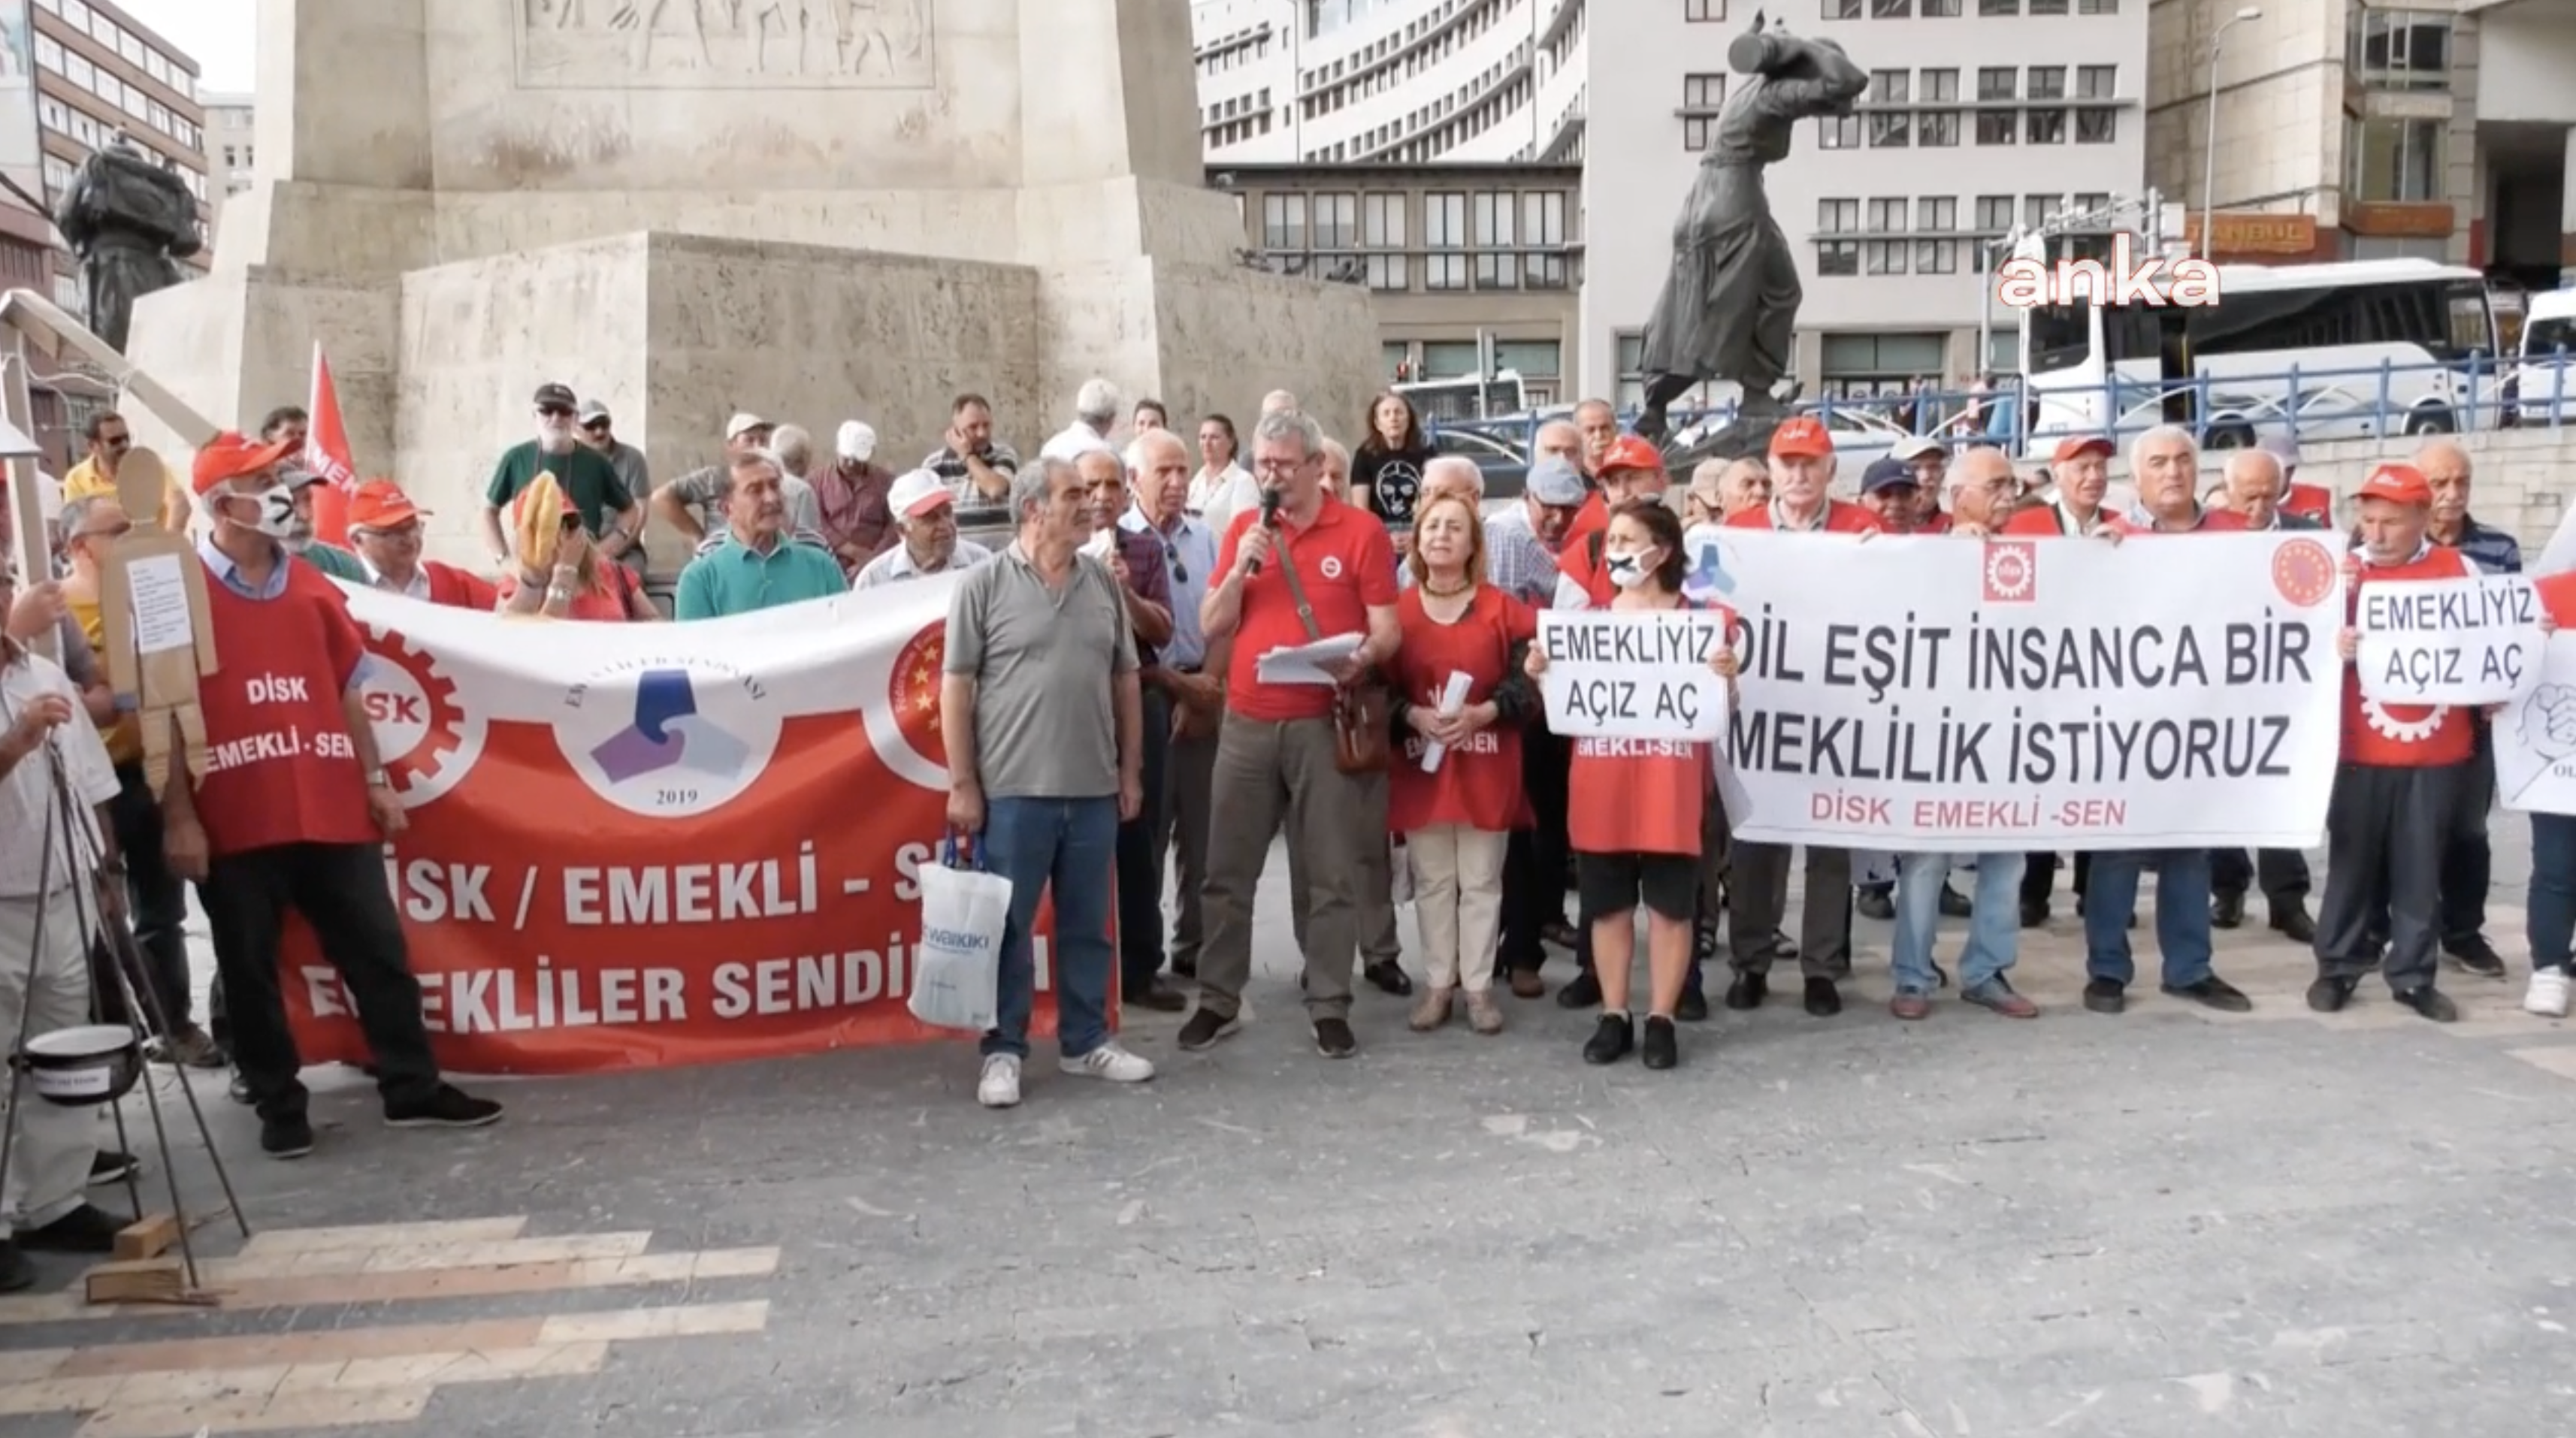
(2209, 165)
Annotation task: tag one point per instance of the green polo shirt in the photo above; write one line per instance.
(585, 474)
(734, 578)
(339, 563)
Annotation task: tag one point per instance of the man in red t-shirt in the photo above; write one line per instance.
(1305, 567)
(292, 810)
(2404, 766)
(1757, 888)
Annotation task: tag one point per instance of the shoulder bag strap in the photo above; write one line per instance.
(1296, 586)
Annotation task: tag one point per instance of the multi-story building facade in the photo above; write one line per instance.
(230, 153)
(1982, 115)
(100, 71)
(2362, 131)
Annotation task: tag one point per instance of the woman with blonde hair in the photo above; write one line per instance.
(558, 572)
(1454, 790)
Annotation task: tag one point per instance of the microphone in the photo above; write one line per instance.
(1269, 521)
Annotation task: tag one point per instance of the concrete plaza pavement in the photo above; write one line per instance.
(2170, 1222)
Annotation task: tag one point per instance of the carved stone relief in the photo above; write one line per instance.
(725, 44)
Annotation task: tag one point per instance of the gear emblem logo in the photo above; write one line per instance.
(2384, 719)
(2304, 572)
(2011, 572)
(426, 736)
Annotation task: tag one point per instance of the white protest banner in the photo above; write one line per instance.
(2449, 641)
(2535, 736)
(1633, 673)
(1959, 695)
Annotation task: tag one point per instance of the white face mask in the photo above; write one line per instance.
(276, 514)
(1628, 570)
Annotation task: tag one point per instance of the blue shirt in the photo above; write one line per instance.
(1189, 553)
(221, 566)
(2492, 550)
(734, 578)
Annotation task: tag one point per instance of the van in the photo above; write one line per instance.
(2544, 373)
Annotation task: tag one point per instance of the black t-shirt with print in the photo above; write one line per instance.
(1393, 478)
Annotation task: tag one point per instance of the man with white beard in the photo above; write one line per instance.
(613, 515)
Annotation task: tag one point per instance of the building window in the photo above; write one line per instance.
(1940, 9)
(2095, 125)
(1837, 257)
(2097, 7)
(1936, 214)
(1994, 214)
(2047, 7)
(1936, 257)
(1498, 262)
(1395, 360)
(1882, 257)
(1837, 217)
(1998, 82)
(1703, 96)
(1283, 231)
(1887, 216)
(1697, 11)
(1842, 9)
(2038, 210)
(1541, 359)
(2399, 49)
(2394, 160)
(1891, 132)
(49, 53)
(1450, 359)
(69, 297)
(1890, 87)
(1335, 233)
(1998, 7)
(1382, 228)
(1838, 132)
(2047, 127)
(2097, 82)
(1891, 9)
(1939, 87)
(1937, 128)
(1996, 127)
(1444, 228)
(1543, 230)
(2048, 82)
(1879, 366)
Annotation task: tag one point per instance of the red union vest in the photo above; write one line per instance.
(280, 766)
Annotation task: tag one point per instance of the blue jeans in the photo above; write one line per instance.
(2182, 915)
(2550, 923)
(1069, 846)
(1994, 920)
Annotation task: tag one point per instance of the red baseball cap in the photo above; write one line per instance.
(2076, 446)
(381, 504)
(229, 456)
(1803, 437)
(2398, 484)
(1630, 452)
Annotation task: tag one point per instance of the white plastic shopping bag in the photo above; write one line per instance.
(957, 964)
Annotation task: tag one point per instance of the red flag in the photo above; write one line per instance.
(326, 454)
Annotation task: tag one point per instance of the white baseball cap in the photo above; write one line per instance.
(735, 427)
(857, 441)
(918, 493)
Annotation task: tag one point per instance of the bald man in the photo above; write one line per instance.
(1560, 438)
(2468, 864)
(1599, 425)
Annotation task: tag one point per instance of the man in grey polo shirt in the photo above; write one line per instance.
(1044, 725)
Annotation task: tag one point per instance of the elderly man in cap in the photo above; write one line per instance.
(323, 555)
(2398, 788)
(1534, 867)
(1889, 491)
(852, 496)
(925, 514)
(299, 825)
(385, 526)
(1629, 469)
(612, 513)
(1928, 460)
(702, 491)
(599, 431)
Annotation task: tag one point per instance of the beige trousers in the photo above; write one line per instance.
(49, 1163)
(1458, 901)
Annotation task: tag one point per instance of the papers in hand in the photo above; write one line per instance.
(1304, 663)
(1453, 698)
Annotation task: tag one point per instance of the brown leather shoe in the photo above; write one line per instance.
(1911, 1007)
(1996, 996)
(1526, 984)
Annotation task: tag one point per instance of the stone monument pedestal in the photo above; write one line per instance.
(461, 199)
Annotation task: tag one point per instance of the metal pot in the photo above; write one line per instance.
(83, 1067)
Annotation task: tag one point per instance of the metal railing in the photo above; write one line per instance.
(2315, 404)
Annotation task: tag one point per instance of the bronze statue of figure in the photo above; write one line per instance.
(1730, 305)
(131, 222)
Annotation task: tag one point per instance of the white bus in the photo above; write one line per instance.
(2360, 350)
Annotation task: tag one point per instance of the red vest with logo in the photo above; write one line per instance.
(280, 765)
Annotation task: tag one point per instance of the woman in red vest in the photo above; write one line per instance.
(384, 527)
(1459, 692)
(1637, 823)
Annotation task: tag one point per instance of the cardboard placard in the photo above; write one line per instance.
(160, 634)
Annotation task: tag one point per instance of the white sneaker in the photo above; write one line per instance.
(1111, 1062)
(2547, 995)
(1000, 1086)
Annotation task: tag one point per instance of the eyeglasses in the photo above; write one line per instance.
(554, 411)
(1172, 557)
(597, 426)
